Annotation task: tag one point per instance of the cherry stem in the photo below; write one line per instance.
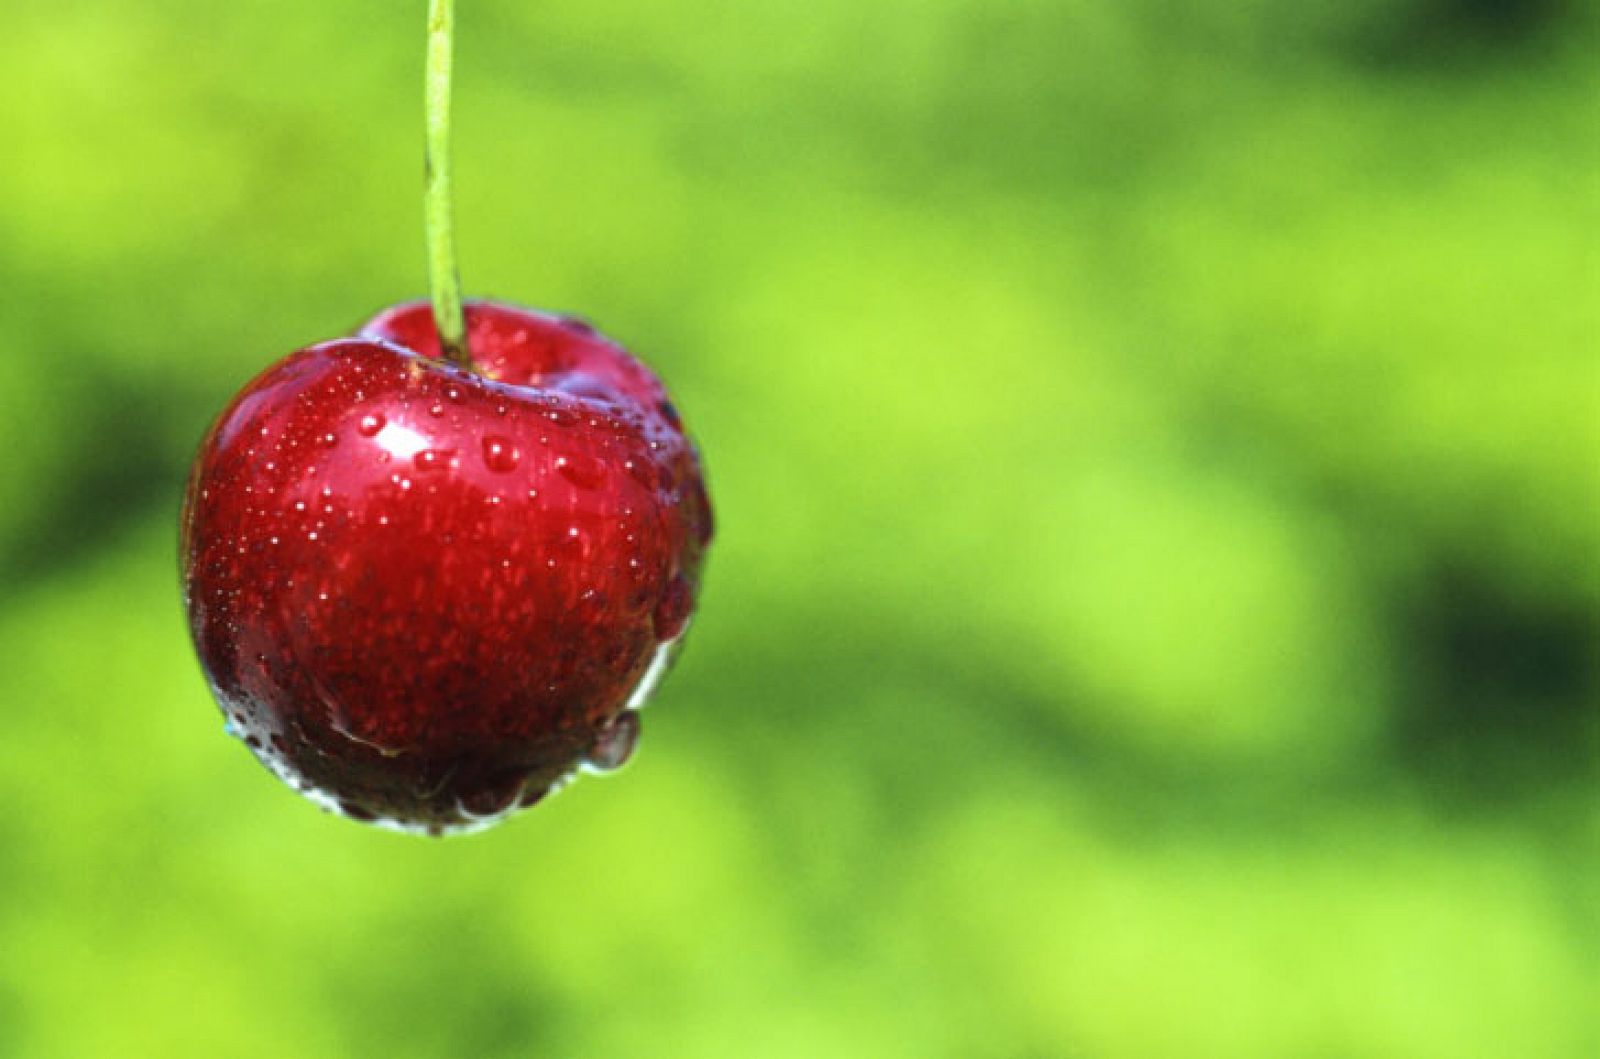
(444, 279)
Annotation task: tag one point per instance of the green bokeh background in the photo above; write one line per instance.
(1157, 457)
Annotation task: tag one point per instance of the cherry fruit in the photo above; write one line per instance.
(424, 595)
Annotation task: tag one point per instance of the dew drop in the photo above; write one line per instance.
(329, 440)
(705, 527)
(356, 812)
(436, 409)
(672, 613)
(640, 470)
(614, 743)
(562, 417)
(500, 454)
(434, 459)
(582, 471)
(495, 796)
(370, 425)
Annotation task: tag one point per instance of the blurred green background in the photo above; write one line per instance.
(1156, 611)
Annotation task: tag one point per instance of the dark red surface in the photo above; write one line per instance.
(424, 596)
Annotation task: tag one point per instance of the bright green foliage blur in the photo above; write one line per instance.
(1156, 607)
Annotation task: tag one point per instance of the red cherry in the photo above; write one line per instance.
(423, 595)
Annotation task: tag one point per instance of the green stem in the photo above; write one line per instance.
(444, 281)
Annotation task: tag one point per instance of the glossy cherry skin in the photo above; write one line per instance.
(423, 595)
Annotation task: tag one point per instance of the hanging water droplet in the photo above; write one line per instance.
(370, 424)
(495, 796)
(614, 743)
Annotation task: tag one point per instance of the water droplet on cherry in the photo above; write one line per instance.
(356, 812)
(500, 454)
(495, 796)
(614, 743)
(582, 471)
(434, 459)
(640, 470)
(672, 613)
